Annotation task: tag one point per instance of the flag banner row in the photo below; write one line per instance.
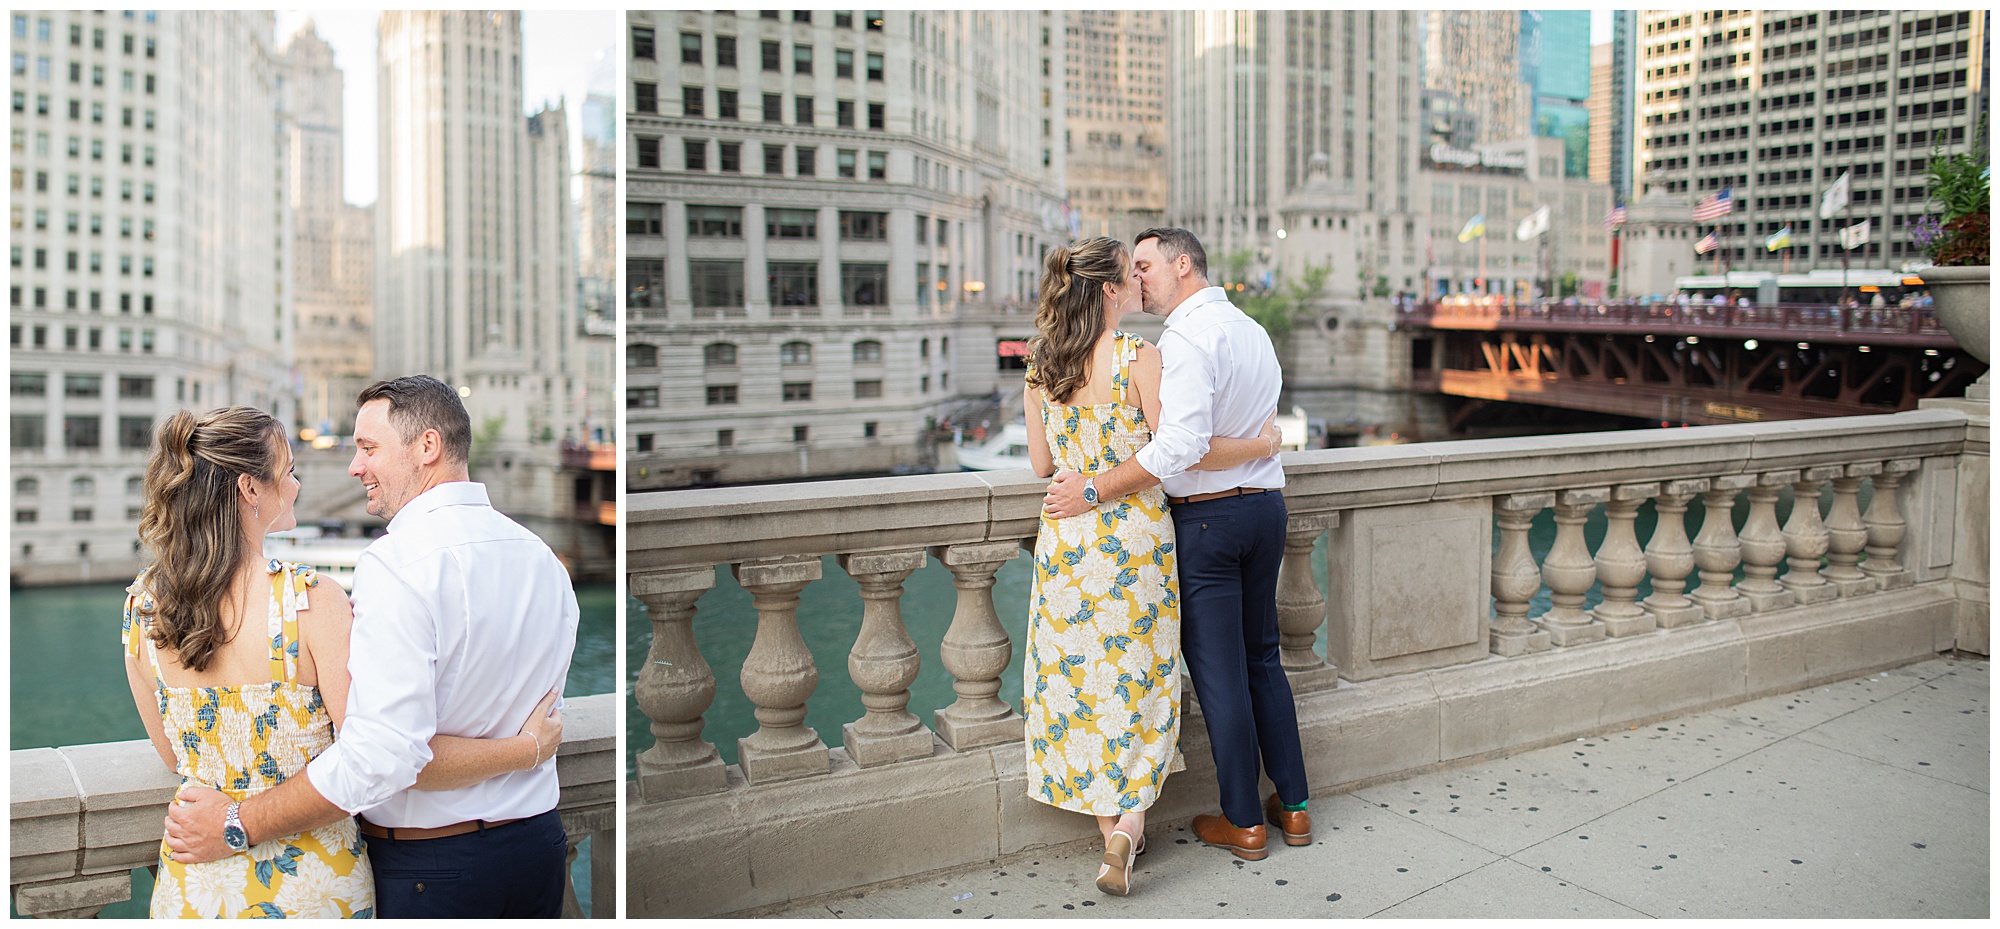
(1714, 206)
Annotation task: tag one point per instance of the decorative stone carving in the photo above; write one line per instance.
(1670, 557)
(1621, 565)
(1515, 578)
(1886, 526)
(675, 688)
(1763, 546)
(1717, 551)
(1569, 570)
(1847, 535)
(884, 662)
(779, 675)
(1302, 607)
(976, 649)
(1807, 539)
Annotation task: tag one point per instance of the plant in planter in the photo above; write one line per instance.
(1958, 244)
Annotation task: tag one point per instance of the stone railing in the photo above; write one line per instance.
(86, 816)
(1432, 654)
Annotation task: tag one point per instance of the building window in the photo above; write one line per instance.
(923, 279)
(800, 434)
(716, 284)
(843, 19)
(874, 66)
(642, 42)
(645, 443)
(725, 51)
(874, 20)
(135, 432)
(641, 355)
(25, 515)
(80, 514)
(717, 355)
(798, 391)
(864, 226)
(791, 224)
(868, 352)
(795, 353)
(795, 283)
(27, 487)
(28, 431)
(868, 429)
(80, 432)
(646, 98)
(774, 160)
(924, 383)
(772, 56)
(642, 398)
(802, 110)
(731, 161)
(135, 388)
(649, 152)
(725, 438)
(646, 280)
(877, 117)
(802, 59)
(644, 218)
(807, 159)
(695, 151)
(844, 162)
(864, 284)
(691, 100)
(690, 48)
(721, 394)
(843, 113)
(22, 384)
(843, 62)
(725, 104)
(867, 390)
(82, 385)
(774, 108)
(878, 166)
(712, 222)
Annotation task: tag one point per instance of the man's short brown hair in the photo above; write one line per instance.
(419, 402)
(1175, 242)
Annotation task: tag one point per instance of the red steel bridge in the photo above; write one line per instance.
(1700, 364)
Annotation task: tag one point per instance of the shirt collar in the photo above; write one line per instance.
(1202, 296)
(449, 493)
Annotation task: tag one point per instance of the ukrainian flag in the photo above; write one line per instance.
(1474, 228)
(1778, 240)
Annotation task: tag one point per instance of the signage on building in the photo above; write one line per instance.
(1444, 156)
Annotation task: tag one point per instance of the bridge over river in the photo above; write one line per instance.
(1700, 364)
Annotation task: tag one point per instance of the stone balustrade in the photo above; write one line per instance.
(1432, 654)
(86, 816)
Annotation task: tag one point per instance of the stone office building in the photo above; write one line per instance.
(815, 200)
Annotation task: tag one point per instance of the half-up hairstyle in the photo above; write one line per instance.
(193, 524)
(1070, 315)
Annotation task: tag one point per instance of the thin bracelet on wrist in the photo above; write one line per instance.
(538, 749)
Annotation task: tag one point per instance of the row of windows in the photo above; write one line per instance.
(726, 222)
(729, 159)
(75, 185)
(724, 354)
(36, 384)
(73, 222)
(125, 150)
(30, 431)
(74, 338)
(83, 486)
(694, 105)
(76, 110)
(726, 438)
(127, 80)
(648, 398)
(772, 56)
(81, 514)
(44, 32)
(720, 284)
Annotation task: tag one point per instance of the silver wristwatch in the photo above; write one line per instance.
(232, 828)
(1090, 490)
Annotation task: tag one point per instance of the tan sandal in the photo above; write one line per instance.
(1115, 875)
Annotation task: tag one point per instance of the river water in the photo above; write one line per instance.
(68, 685)
(725, 625)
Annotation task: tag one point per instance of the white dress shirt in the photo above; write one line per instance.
(463, 621)
(1219, 377)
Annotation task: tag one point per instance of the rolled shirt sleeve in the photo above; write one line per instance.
(392, 710)
(1187, 407)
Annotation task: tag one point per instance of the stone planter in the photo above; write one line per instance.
(1964, 304)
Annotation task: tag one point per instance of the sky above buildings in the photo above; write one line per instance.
(566, 55)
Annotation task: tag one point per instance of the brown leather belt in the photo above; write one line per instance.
(1235, 492)
(403, 835)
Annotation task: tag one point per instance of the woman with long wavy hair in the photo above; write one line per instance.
(238, 667)
(1102, 675)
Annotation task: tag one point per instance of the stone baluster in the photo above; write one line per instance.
(1847, 535)
(1762, 544)
(1807, 539)
(976, 650)
(1670, 557)
(1621, 564)
(1886, 527)
(779, 675)
(1569, 570)
(1716, 550)
(675, 688)
(884, 663)
(1302, 607)
(1515, 577)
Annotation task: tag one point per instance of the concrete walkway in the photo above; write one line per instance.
(1865, 798)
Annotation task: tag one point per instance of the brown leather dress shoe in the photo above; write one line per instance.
(1296, 827)
(1218, 831)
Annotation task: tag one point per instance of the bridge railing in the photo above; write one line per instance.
(1415, 585)
(1919, 324)
(86, 816)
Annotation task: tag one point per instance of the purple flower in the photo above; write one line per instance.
(1925, 232)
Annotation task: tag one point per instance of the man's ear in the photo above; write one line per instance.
(430, 447)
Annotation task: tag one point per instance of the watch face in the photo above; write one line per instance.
(235, 837)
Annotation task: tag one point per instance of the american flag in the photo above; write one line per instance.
(1616, 217)
(1707, 244)
(1713, 206)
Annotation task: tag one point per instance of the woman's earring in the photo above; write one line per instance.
(256, 512)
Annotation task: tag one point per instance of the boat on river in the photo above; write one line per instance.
(332, 556)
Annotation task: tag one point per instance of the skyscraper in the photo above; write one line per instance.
(597, 219)
(1115, 128)
(1475, 56)
(147, 261)
(1555, 55)
(826, 211)
(475, 243)
(333, 242)
(1776, 105)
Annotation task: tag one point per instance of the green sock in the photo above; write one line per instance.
(1299, 807)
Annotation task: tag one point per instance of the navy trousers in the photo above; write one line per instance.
(1230, 549)
(510, 871)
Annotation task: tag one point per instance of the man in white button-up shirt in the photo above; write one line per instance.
(1220, 377)
(463, 622)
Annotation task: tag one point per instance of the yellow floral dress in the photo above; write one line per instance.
(243, 740)
(1102, 677)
